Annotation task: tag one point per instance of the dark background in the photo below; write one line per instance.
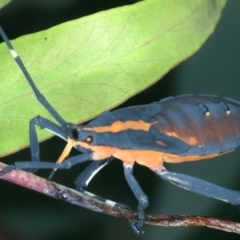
(215, 69)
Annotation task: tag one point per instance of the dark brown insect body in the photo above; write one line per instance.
(175, 129)
(208, 124)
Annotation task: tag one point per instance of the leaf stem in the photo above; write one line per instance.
(41, 185)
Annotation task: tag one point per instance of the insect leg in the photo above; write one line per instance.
(88, 173)
(105, 200)
(139, 194)
(86, 176)
(34, 145)
(46, 124)
(68, 163)
(201, 187)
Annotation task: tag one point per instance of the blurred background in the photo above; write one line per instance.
(215, 69)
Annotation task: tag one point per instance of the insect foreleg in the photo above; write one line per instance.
(46, 124)
(68, 163)
(201, 187)
(139, 194)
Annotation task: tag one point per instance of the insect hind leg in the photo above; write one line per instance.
(200, 186)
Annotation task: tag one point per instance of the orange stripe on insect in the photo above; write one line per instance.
(119, 126)
(150, 159)
(147, 158)
(170, 158)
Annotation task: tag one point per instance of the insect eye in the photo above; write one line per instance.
(89, 139)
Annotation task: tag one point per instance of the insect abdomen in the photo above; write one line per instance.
(208, 124)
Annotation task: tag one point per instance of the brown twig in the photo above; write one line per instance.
(58, 191)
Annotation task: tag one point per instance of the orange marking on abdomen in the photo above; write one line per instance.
(170, 158)
(147, 158)
(190, 140)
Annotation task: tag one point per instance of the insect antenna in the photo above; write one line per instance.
(37, 93)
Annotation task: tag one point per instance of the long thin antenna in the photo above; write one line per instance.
(39, 96)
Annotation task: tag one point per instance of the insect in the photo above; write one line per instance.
(173, 130)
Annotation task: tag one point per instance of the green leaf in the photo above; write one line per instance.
(86, 66)
(3, 3)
